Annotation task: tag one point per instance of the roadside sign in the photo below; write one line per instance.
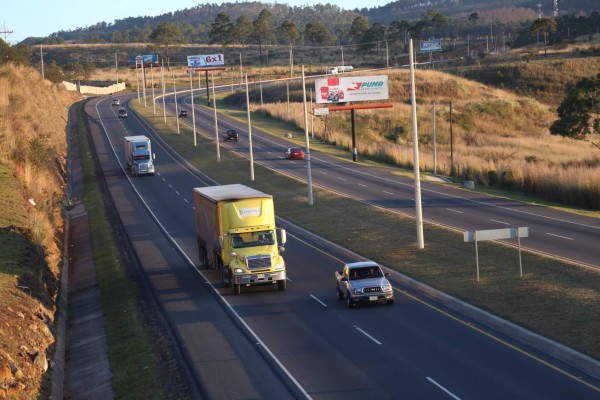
(320, 111)
(356, 88)
(497, 234)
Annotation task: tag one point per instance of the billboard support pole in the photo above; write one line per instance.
(207, 91)
(353, 135)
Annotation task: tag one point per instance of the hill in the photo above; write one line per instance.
(32, 178)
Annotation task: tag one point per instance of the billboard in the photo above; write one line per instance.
(355, 88)
(148, 60)
(205, 61)
(430, 45)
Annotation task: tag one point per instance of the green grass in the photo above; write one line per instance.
(558, 300)
(131, 348)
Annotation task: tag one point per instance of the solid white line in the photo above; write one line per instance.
(443, 388)
(323, 304)
(367, 335)
(456, 211)
(500, 222)
(558, 236)
(387, 192)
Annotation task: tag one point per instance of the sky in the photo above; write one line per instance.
(41, 18)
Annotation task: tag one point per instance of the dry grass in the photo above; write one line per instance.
(33, 145)
(500, 138)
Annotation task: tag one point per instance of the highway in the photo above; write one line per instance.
(304, 343)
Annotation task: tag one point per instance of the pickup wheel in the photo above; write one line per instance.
(282, 284)
(340, 295)
(349, 301)
(237, 289)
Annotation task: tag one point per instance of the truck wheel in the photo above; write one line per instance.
(340, 295)
(281, 284)
(349, 301)
(237, 289)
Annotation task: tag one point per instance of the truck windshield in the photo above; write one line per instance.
(365, 273)
(260, 238)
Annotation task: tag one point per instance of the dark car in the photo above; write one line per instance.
(230, 135)
(294, 153)
(122, 112)
(183, 113)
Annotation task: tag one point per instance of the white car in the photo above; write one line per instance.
(115, 102)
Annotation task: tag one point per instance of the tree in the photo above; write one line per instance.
(263, 28)
(376, 33)
(579, 112)
(221, 30)
(358, 28)
(53, 72)
(544, 25)
(316, 34)
(288, 33)
(165, 35)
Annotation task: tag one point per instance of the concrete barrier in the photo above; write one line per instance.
(468, 184)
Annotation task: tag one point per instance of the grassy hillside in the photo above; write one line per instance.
(33, 115)
(500, 139)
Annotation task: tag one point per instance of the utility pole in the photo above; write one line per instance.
(42, 57)
(5, 32)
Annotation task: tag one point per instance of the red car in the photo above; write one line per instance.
(294, 153)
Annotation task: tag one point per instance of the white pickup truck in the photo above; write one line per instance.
(363, 282)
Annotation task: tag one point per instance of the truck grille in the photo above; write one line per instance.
(372, 289)
(260, 262)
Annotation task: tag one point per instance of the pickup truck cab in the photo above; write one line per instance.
(363, 282)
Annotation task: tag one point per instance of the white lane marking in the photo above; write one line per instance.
(360, 184)
(186, 200)
(449, 393)
(170, 186)
(559, 236)
(500, 222)
(319, 301)
(385, 191)
(456, 211)
(323, 172)
(164, 179)
(340, 178)
(367, 335)
(177, 193)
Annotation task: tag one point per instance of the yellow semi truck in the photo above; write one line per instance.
(236, 234)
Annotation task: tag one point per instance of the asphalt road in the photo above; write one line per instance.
(552, 232)
(303, 342)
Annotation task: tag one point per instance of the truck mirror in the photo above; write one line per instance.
(153, 156)
(283, 236)
(281, 249)
(233, 254)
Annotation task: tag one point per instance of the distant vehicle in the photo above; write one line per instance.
(230, 135)
(138, 153)
(183, 113)
(122, 113)
(363, 282)
(294, 153)
(115, 102)
(340, 69)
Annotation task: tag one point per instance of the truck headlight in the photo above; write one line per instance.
(387, 288)
(238, 271)
(357, 291)
(280, 266)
